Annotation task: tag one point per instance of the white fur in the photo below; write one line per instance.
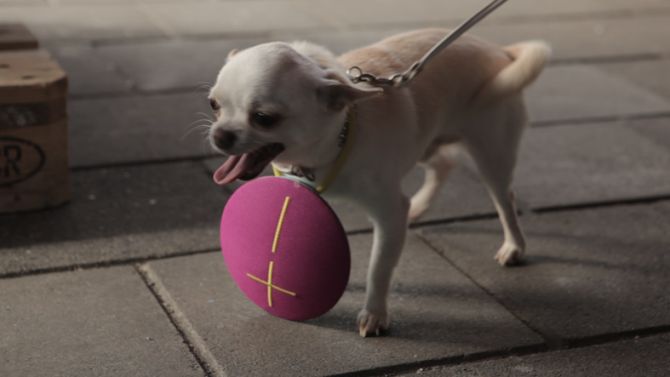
(471, 95)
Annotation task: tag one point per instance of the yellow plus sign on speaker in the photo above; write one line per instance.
(270, 285)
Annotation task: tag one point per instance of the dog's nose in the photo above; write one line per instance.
(224, 139)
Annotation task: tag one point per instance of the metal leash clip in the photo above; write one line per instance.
(357, 75)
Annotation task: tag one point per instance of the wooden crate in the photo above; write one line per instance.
(33, 132)
(16, 37)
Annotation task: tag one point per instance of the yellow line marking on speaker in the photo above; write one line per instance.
(270, 283)
(280, 223)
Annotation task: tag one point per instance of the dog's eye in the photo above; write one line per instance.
(214, 105)
(264, 120)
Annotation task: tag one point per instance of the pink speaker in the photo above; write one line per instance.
(285, 248)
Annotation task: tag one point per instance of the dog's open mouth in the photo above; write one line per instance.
(246, 166)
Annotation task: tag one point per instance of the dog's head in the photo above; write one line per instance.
(273, 101)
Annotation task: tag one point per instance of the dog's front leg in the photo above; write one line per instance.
(388, 212)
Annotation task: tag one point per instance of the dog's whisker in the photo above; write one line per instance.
(205, 127)
(203, 86)
(201, 121)
(205, 120)
(205, 116)
(195, 127)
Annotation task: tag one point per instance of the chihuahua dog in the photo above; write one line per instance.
(288, 103)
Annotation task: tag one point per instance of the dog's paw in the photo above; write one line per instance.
(509, 255)
(416, 209)
(371, 324)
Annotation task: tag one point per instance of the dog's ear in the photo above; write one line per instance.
(337, 92)
(232, 53)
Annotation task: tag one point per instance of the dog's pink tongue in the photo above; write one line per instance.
(234, 167)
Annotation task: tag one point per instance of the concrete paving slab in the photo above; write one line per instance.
(23, 2)
(169, 64)
(463, 195)
(581, 91)
(637, 357)
(567, 165)
(588, 272)
(233, 18)
(571, 39)
(587, 38)
(129, 2)
(89, 73)
(352, 13)
(347, 14)
(654, 75)
(117, 214)
(138, 128)
(530, 9)
(88, 323)
(82, 22)
(656, 130)
(438, 313)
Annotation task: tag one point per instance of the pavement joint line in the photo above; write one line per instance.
(137, 92)
(103, 94)
(600, 119)
(392, 370)
(608, 59)
(103, 264)
(139, 163)
(617, 336)
(122, 41)
(580, 16)
(571, 344)
(601, 204)
(454, 219)
(193, 340)
(428, 223)
(552, 341)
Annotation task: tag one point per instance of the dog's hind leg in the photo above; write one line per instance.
(436, 169)
(494, 150)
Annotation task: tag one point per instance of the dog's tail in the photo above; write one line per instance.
(528, 60)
